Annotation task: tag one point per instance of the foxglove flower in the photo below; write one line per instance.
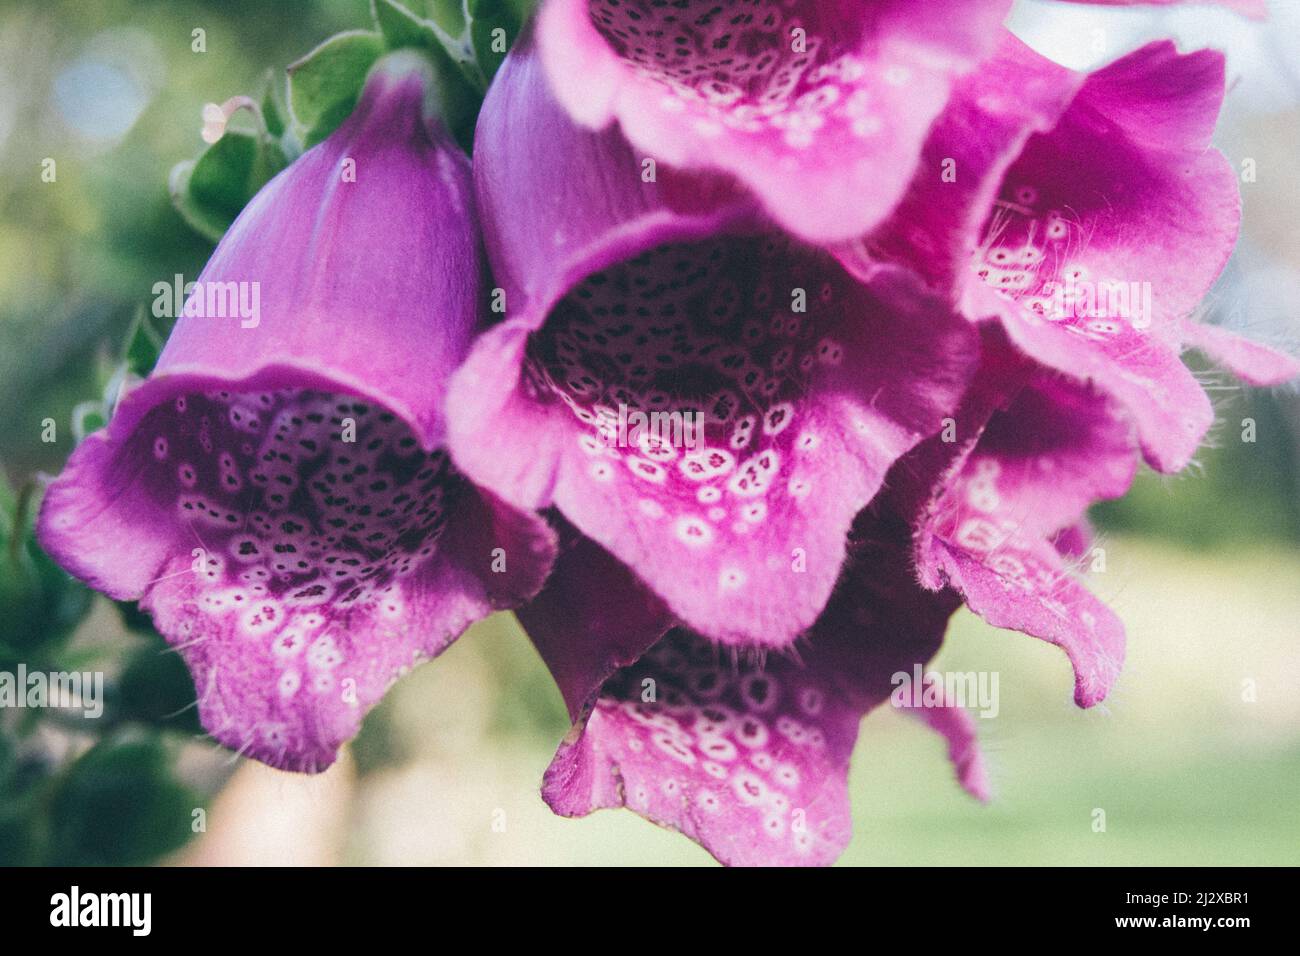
(676, 297)
(999, 515)
(277, 493)
(748, 755)
(1089, 215)
(819, 106)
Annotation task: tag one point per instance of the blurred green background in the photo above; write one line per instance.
(1204, 568)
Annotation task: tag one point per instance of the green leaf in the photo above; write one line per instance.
(6, 760)
(400, 27)
(20, 599)
(156, 688)
(486, 18)
(211, 191)
(449, 15)
(20, 793)
(272, 105)
(143, 345)
(88, 418)
(40, 604)
(134, 619)
(210, 223)
(324, 85)
(8, 508)
(119, 805)
(18, 840)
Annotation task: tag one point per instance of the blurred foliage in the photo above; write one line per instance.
(76, 789)
(39, 603)
(118, 804)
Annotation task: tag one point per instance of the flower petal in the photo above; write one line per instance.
(750, 759)
(991, 527)
(318, 248)
(957, 728)
(676, 448)
(592, 618)
(834, 96)
(592, 202)
(1252, 362)
(1074, 540)
(1091, 258)
(1102, 259)
(1024, 586)
(938, 226)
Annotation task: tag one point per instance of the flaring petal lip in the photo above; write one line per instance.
(277, 494)
(995, 514)
(1252, 362)
(833, 97)
(1092, 259)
